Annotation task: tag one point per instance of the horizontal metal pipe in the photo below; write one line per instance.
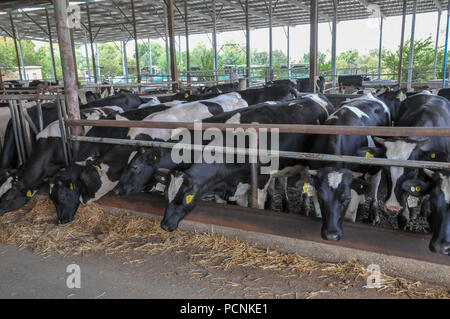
(285, 154)
(30, 97)
(283, 128)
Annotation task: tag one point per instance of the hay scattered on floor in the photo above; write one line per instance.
(93, 230)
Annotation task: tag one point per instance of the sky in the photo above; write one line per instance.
(362, 35)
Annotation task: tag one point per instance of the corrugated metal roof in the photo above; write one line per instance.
(111, 19)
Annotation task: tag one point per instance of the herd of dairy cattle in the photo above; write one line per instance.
(335, 189)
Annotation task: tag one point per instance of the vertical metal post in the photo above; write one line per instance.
(253, 160)
(24, 73)
(214, 41)
(167, 41)
(124, 61)
(446, 47)
(67, 63)
(411, 46)
(98, 64)
(314, 18)
(380, 49)
(270, 42)
(87, 58)
(333, 46)
(402, 39)
(186, 26)
(288, 58)
(180, 53)
(437, 44)
(15, 45)
(150, 62)
(173, 56)
(74, 55)
(17, 133)
(92, 42)
(138, 71)
(50, 39)
(247, 44)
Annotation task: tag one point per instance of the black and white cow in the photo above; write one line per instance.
(333, 184)
(99, 179)
(439, 190)
(444, 93)
(186, 188)
(47, 158)
(301, 85)
(65, 185)
(418, 110)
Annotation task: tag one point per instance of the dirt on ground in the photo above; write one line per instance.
(177, 265)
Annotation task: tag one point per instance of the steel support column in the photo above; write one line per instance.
(180, 54)
(91, 39)
(333, 45)
(138, 71)
(437, 44)
(173, 56)
(67, 62)
(446, 48)
(402, 40)
(270, 42)
(86, 50)
(124, 61)
(314, 18)
(15, 45)
(186, 26)
(247, 43)
(150, 61)
(24, 73)
(380, 48)
(411, 46)
(288, 58)
(50, 39)
(98, 64)
(214, 40)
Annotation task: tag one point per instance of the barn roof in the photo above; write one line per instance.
(111, 19)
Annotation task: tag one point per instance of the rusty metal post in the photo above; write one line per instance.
(253, 160)
(270, 41)
(247, 43)
(15, 45)
(186, 26)
(138, 71)
(67, 62)
(74, 56)
(173, 57)
(50, 39)
(314, 19)
(402, 39)
(92, 41)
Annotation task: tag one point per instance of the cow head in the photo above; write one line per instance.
(439, 190)
(65, 193)
(181, 196)
(334, 191)
(139, 171)
(392, 98)
(14, 194)
(397, 149)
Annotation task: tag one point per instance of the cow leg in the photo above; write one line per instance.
(403, 218)
(374, 181)
(317, 211)
(352, 209)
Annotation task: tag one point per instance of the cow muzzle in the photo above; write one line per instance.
(392, 209)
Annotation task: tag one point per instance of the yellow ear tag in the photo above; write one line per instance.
(305, 188)
(186, 95)
(368, 154)
(71, 186)
(96, 168)
(189, 199)
(155, 157)
(433, 155)
(30, 193)
(361, 186)
(417, 189)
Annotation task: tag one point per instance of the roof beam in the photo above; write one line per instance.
(255, 13)
(301, 5)
(366, 4)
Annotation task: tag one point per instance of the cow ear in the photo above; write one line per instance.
(378, 140)
(434, 156)
(416, 187)
(360, 186)
(367, 151)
